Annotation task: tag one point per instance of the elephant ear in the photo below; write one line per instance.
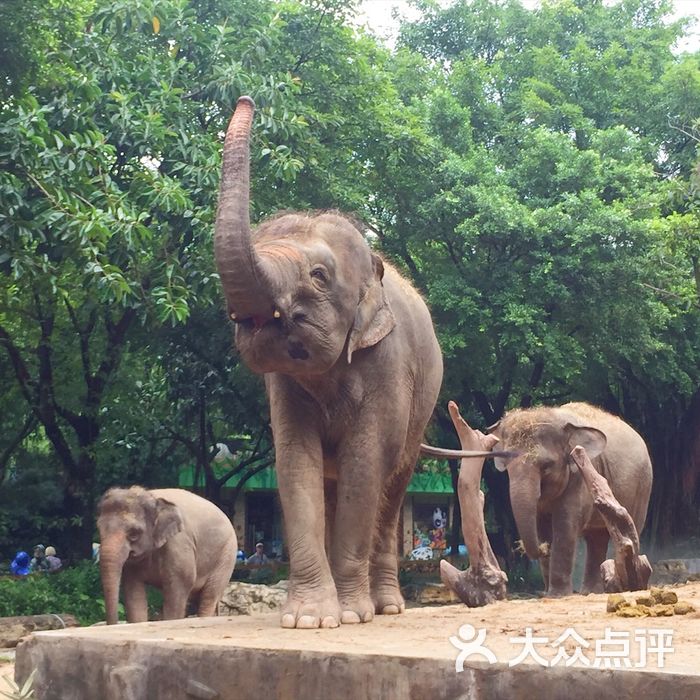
(374, 318)
(591, 439)
(168, 521)
(501, 463)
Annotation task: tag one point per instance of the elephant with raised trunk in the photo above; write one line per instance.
(551, 503)
(168, 538)
(352, 370)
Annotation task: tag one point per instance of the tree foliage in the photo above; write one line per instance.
(533, 172)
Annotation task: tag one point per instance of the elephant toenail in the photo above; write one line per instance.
(288, 621)
(307, 622)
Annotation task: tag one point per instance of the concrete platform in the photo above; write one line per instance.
(407, 656)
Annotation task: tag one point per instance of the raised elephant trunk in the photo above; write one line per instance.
(113, 554)
(524, 495)
(242, 276)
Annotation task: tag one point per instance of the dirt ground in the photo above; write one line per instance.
(426, 632)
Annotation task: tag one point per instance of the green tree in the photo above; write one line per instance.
(558, 136)
(108, 190)
(108, 185)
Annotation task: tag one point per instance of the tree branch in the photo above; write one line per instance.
(116, 335)
(26, 384)
(84, 337)
(29, 425)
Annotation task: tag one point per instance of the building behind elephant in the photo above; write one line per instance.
(258, 515)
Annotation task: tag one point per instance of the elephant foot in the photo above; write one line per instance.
(388, 600)
(311, 610)
(592, 587)
(356, 610)
(559, 592)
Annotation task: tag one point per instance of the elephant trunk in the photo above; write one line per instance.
(113, 554)
(524, 496)
(242, 276)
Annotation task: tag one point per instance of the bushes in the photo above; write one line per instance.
(76, 591)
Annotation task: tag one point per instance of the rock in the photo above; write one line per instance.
(683, 608)
(12, 629)
(250, 598)
(615, 602)
(670, 571)
(436, 594)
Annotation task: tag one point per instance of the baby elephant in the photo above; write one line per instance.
(168, 538)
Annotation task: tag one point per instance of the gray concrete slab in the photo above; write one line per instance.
(407, 656)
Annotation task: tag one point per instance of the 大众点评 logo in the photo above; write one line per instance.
(613, 650)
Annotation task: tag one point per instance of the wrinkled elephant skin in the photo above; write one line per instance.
(168, 538)
(551, 503)
(352, 370)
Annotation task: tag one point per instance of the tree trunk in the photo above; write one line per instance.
(455, 529)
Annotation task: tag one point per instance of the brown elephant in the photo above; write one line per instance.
(551, 504)
(168, 538)
(352, 370)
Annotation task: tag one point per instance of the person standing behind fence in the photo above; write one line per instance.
(53, 561)
(38, 562)
(259, 558)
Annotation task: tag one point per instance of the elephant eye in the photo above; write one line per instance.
(319, 274)
(134, 534)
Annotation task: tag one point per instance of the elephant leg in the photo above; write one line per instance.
(355, 523)
(563, 551)
(210, 595)
(596, 551)
(544, 532)
(177, 586)
(215, 585)
(384, 581)
(175, 603)
(135, 601)
(312, 600)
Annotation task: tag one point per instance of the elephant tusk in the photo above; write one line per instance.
(276, 313)
(461, 454)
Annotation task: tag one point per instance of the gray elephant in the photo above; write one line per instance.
(352, 370)
(168, 538)
(551, 504)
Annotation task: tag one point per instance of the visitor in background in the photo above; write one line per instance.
(20, 564)
(38, 562)
(259, 557)
(53, 561)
